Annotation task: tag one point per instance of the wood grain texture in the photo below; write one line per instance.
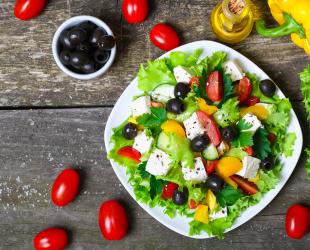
(29, 76)
(35, 145)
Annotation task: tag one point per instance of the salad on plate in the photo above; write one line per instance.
(203, 139)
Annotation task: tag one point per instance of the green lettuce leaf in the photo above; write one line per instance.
(236, 152)
(228, 114)
(191, 106)
(178, 58)
(268, 179)
(308, 163)
(305, 88)
(288, 144)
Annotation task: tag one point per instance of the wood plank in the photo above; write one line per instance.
(36, 144)
(29, 76)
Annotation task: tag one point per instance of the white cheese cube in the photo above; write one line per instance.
(254, 121)
(233, 69)
(197, 174)
(141, 106)
(193, 127)
(143, 142)
(222, 148)
(159, 163)
(182, 74)
(250, 166)
(222, 213)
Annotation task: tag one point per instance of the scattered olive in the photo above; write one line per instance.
(101, 57)
(180, 197)
(77, 35)
(181, 90)
(88, 67)
(78, 58)
(84, 46)
(130, 131)
(229, 133)
(94, 38)
(267, 87)
(65, 57)
(175, 106)
(106, 42)
(267, 163)
(215, 183)
(65, 42)
(199, 143)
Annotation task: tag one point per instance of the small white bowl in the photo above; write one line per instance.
(73, 22)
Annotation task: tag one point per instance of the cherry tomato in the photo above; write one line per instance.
(168, 190)
(272, 137)
(113, 220)
(246, 186)
(192, 204)
(212, 129)
(244, 89)
(211, 166)
(252, 101)
(214, 88)
(249, 150)
(65, 187)
(27, 9)
(194, 81)
(51, 239)
(130, 153)
(135, 11)
(164, 37)
(297, 221)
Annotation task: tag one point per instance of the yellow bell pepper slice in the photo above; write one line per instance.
(211, 200)
(227, 166)
(258, 110)
(172, 126)
(208, 109)
(202, 214)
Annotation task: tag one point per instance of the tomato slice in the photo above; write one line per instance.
(246, 186)
(297, 221)
(210, 126)
(249, 150)
(192, 204)
(130, 152)
(214, 88)
(211, 165)
(194, 81)
(244, 89)
(272, 137)
(252, 101)
(168, 190)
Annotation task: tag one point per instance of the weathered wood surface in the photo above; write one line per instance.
(36, 145)
(30, 77)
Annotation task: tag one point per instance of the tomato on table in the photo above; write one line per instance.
(130, 152)
(113, 220)
(214, 88)
(51, 239)
(65, 187)
(244, 89)
(252, 100)
(297, 221)
(27, 9)
(164, 37)
(168, 190)
(246, 186)
(212, 129)
(135, 11)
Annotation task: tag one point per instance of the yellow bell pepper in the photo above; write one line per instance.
(208, 109)
(202, 214)
(258, 110)
(171, 126)
(134, 121)
(227, 166)
(211, 200)
(294, 19)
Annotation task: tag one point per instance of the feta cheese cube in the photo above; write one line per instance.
(143, 142)
(193, 127)
(182, 74)
(250, 166)
(222, 213)
(159, 163)
(233, 69)
(197, 174)
(222, 148)
(254, 121)
(141, 106)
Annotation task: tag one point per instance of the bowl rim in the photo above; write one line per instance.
(69, 23)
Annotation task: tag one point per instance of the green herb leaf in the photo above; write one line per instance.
(243, 125)
(155, 119)
(228, 87)
(155, 187)
(141, 170)
(261, 143)
(228, 196)
(245, 138)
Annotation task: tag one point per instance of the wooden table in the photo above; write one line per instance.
(49, 121)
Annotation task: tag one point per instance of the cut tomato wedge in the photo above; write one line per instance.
(214, 88)
(246, 186)
(212, 129)
(249, 150)
(192, 204)
(194, 81)
(244, 89)
(252, 101)
(211, 165)
(272, 137)
(130, 152)
(168, 190)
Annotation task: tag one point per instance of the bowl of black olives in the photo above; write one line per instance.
(84, 47)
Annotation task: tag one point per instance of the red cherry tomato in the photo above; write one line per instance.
(211, 166)
(244, 89)
(192, 204)
(27, 9)
(272, 137)
(212, 129)
(113, 220)
(214, 88)
(135, 11)
(168, 190)
(297, 221)
(164, 37)
(194, 81)
(130, 153)
(65, 187)
(249, 150)
(252, 101)
(51, 239)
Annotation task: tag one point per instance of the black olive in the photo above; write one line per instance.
(77, 35)
(199, 143)
(65, 41)
(88, 26)
(88, 67)
(215, 183)
(85, 47)
(77, 59)
(180, 197)
(65, 57)
(94, 38)
(181, 90)
(106, 42)
(101, 57)
(175, 106)
(267, 163)
(130, 131)
(267, 87)
(229, 133)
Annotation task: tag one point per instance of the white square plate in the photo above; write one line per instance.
(179, 224)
